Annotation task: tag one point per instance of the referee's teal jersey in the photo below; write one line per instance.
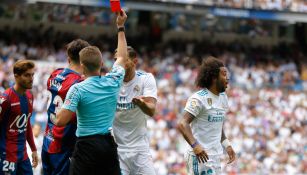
(94, 101)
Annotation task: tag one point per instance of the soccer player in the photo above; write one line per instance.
(202, 123)
(94, 100)
(59, 142)
(136, 101)
(16, 105)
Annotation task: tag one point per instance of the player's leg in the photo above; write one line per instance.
(124, 163)
(217, 167)
(141, 163)
(47, 167)
(24, 168)
(212, 166)
(192, 164)
(79, 163)
(61, 162)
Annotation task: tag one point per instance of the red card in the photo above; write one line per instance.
(115, 5)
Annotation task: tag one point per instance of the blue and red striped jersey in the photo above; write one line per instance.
(15, 127)
(59, 139)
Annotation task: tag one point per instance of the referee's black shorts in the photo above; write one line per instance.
(96, 154)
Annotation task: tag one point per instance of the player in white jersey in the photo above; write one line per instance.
(202, 123)
(136, 101)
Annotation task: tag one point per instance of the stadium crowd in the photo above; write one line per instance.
(97, 16)
(285, 5)
(267, 121)
(282, 5)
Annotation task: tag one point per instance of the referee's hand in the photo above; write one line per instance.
(121, 18)
(200, 153)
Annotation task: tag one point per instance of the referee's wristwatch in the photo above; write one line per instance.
(121, 29)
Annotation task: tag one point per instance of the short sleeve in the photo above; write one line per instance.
(117, 74)
(150, 87)
(72, 99)
(193, 106)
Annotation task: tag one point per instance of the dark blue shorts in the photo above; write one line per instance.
(11, 168)
(56, 164)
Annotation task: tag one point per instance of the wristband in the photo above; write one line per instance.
(226, 143)
(121, 29)
(194, 144)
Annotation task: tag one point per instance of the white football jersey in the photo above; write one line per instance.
(209, 111)
(130, 124)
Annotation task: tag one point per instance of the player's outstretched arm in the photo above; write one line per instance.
(146, 104)
(226, 144)
(184, 128)
(122, 55)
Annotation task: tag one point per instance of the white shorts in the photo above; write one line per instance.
(212, 166)
(136, 163)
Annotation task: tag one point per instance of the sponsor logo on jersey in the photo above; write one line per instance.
(125, 106)
(20, 123)
(212, 118)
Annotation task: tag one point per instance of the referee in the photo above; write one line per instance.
(94, 100)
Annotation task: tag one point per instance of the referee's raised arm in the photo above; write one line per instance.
(122, 43)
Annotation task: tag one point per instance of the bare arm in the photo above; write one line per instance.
(184, 128)
(30, 140)
(122, 43)
(63, 117)
(146, 104)
(67, 111)
(227, 146)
